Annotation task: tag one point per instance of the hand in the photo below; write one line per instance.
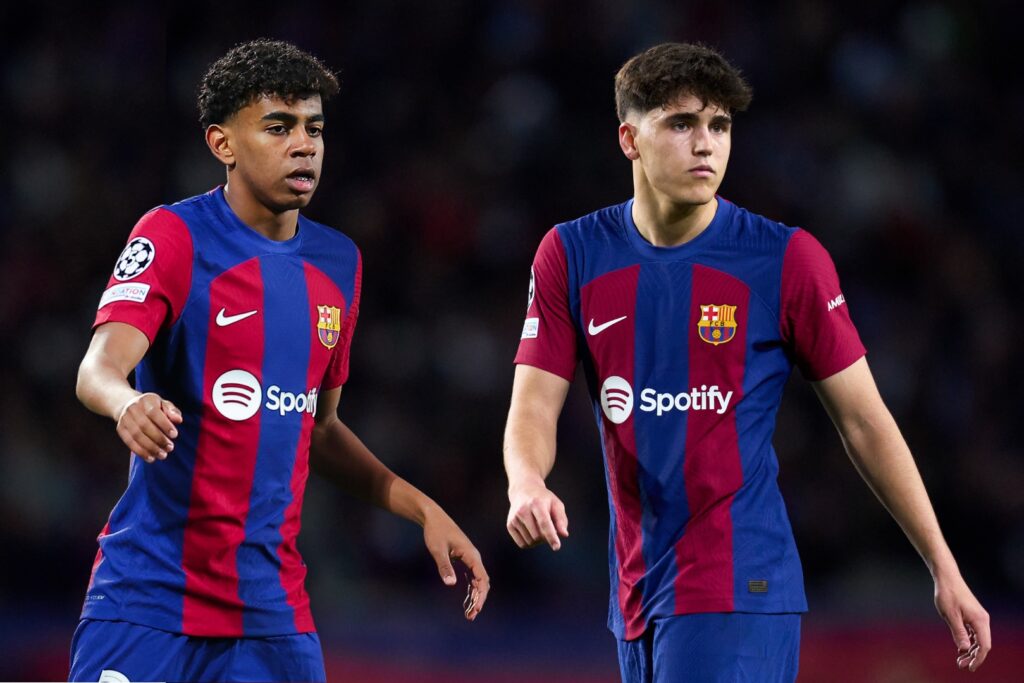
(535, 516)
(967, 620)
(146, 424)
(445, 540)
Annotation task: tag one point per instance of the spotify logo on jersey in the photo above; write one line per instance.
(237, 395)
(617, 399)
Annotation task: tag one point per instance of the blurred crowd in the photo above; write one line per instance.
(463, 131)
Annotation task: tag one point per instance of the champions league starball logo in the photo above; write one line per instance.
(135, 258)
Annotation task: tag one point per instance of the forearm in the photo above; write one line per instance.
(529, 449)
(337, 454)
(103, 387)
(882, 458)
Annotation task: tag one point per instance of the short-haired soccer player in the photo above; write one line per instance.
(688, 313)
(236, 313)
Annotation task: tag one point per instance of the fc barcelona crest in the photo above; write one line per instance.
(328, 325)
(717, 323)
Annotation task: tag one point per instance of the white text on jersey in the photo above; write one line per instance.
(285, 401)
(705, 398)
(837, 302)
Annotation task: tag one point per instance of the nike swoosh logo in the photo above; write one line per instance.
(225, 320)
(598, 329)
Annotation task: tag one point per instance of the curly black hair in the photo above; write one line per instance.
(256, 68)
(655, 77)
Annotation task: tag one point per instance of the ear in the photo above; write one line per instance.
(627, 141)
(219, 142)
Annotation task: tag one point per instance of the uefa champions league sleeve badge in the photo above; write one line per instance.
(135, 259)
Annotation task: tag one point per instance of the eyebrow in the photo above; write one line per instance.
(691, 118)
(290, 119)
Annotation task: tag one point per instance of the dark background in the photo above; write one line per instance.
(464, 130)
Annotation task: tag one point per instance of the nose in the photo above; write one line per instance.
(701, 141)
(304, 145)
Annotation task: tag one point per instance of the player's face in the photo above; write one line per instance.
(682, 149)
(278, 149)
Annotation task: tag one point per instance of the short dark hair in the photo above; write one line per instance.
(659, 75)
(256, 68)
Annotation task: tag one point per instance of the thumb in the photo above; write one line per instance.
(444, 568)
(960, 635)
(559, 517)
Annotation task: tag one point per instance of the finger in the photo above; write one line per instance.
(155, 434)
(517, 536)
(481, 582)
(142, 445)
(163, 422)
(528, 527)
(547, 528)
(560, 518)
(983, 641)
(172, 412)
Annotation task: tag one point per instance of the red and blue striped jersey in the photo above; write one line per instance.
(245, 332)
(686, 351)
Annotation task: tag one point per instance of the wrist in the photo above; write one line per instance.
(124, 403)
(943, 567)
(525, 481)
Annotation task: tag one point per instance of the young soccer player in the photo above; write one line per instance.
(236, 313)
(688, 313)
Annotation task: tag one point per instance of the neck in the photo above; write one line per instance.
(278, 226)
(665, 223)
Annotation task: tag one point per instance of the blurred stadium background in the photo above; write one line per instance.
(464, 130)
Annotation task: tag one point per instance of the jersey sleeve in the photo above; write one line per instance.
(152, 276)
(814, 318)
(337, 368)
(549, 339)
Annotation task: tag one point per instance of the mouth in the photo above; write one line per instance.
(702, 171)
(301, 180)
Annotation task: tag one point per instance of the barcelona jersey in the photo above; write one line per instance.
(244, 333)
(686, 350)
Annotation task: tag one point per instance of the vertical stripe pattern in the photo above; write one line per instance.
(712, 469)
(286, 391)
(606, 298)
(225, 461)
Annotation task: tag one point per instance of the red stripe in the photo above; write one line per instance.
(605, 298)
(99, 556)
(225, 463)
(712, 469)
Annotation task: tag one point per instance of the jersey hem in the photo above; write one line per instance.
(145, 618)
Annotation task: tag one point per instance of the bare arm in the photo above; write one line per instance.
(337, 454)
(881, 456)
(145, 422)
(536, 515)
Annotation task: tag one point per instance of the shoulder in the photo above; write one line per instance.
(754, 230)
(599, 226)
(330, 250)
(328, 238)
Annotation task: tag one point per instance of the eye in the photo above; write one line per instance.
(315, 131)
(277, 129)
(680, 126)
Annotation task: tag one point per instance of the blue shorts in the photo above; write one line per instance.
(118, 651)
(714, 648)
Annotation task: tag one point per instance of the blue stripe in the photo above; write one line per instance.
(662, 364)
(763, 547)
(285, 365)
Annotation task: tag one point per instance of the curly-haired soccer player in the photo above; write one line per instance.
(236, 313)
(688, 313)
